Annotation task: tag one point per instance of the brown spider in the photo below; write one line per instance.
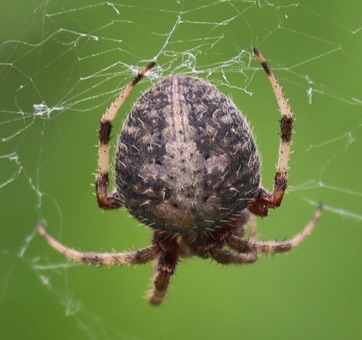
(187, 166)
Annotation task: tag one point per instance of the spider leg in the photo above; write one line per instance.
(266, 200)
(252, 228)
(243, 246)
(164, 266)
(210, 245)
(111, 201)
(225, 257)
(109, 259)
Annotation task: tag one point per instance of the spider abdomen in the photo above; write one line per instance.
(186, 158)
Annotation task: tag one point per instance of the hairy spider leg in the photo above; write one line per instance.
(164, 251)
(164, 266)
(243, 245)
(111, 201)
(227, 257)
(108, 259)
(266, 200)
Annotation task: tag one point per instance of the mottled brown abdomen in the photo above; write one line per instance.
(186, 159)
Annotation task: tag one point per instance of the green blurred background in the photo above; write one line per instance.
(63, 62)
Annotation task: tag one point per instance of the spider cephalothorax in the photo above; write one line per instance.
(187, 166)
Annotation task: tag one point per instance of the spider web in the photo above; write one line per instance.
(62, 63)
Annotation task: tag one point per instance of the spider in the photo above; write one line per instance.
(187, 166)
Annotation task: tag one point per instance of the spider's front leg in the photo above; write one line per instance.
(164, 266)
